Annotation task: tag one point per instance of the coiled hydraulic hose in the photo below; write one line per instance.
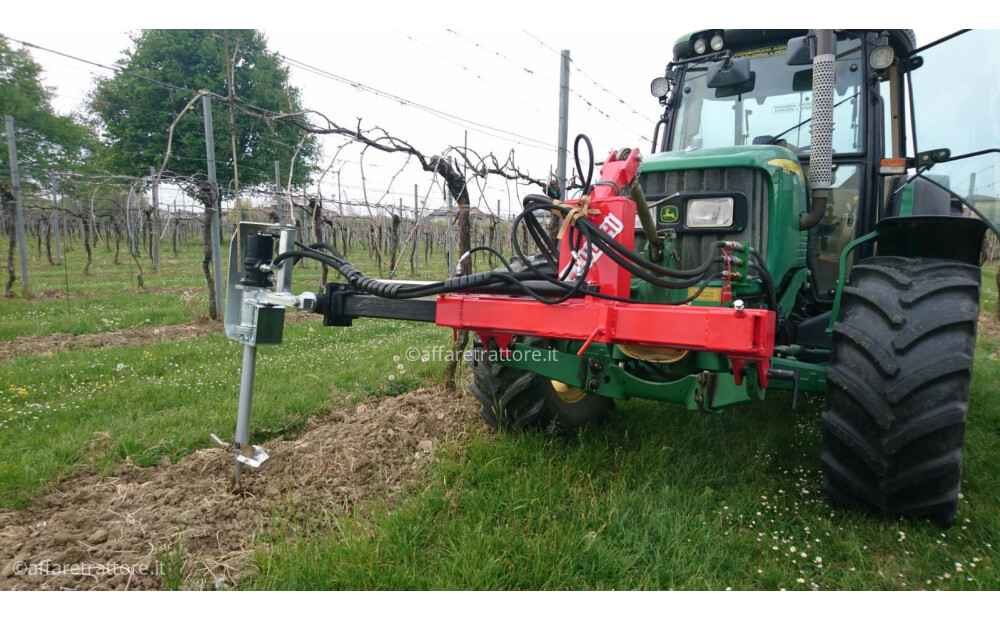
(582, 233)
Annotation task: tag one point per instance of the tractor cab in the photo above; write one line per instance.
(738, 116)
(796, 228)
(737, 92)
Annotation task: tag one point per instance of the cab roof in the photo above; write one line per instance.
(903, 41)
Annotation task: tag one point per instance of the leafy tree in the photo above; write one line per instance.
(136, 110)
(46, 141)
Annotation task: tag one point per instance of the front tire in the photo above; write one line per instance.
(898, 386)
(514, 399)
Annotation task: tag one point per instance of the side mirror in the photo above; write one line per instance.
(799, 51)
(729, 72)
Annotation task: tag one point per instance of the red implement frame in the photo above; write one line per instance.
(743, 336)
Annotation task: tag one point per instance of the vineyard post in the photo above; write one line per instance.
(206, 103)
(277, 191)
(55, 220)
(156, 221)
(451, 257)
(416, 237)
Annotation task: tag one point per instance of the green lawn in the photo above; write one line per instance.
(657, 498)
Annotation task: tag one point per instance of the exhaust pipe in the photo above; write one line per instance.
(821, 157)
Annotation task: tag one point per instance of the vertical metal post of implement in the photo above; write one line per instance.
(246, 400)
(206, 103)
(18, 213)
(563, 124)
(156, 222)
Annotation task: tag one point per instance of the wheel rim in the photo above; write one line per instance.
(567, 393)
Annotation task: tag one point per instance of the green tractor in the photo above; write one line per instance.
(786, 234)
(794, 144)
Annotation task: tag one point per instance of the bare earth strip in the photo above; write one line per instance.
(135, 336)
(47, 345)
(188, 518)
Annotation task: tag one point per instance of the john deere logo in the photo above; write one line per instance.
(669, 214)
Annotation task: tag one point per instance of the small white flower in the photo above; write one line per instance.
(818, 560)
(120, 367)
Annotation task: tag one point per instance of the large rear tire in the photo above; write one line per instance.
(514, 399)
(898, 386)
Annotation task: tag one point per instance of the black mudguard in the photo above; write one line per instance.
(931, 236)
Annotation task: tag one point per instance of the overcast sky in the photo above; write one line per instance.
(493, 65)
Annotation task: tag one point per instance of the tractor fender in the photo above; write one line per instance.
(931, 236)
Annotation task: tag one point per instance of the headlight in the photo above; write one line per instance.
(717, 42)
(709, 212)
(881, 57)
(699, 46)
(659, 87)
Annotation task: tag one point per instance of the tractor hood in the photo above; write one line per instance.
(770, 158)
(766, 179)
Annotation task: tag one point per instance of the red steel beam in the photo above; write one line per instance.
(745, 334)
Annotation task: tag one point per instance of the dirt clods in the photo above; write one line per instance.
(186, 525)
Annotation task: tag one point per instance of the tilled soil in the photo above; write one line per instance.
(188, 522)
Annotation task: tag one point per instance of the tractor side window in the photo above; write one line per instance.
(956, 103)
(837, 229)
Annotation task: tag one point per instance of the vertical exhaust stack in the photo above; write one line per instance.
(821, 156)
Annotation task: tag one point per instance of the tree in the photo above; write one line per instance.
(46, 141)
(135, 107)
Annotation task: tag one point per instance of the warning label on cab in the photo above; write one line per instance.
(771, 50)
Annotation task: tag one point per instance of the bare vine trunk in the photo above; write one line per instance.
(86, 245)
(12, 238)
(394, 243)
(457, 187)
(48, 243)
(118, 241)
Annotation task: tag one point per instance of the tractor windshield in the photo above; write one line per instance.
(773, 107)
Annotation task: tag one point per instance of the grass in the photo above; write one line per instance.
(88, 408)
(658, 498)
